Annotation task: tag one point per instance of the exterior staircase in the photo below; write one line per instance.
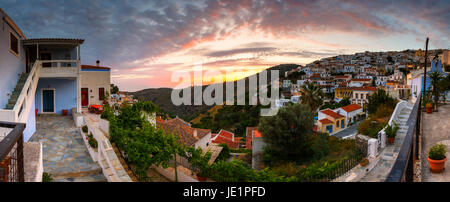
(17, 90)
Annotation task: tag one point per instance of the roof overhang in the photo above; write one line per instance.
(53, 41)
(11, 23)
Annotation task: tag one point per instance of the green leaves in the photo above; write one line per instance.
(437, 152)
(287, 134)
(142, 142)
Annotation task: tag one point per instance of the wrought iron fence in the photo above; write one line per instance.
(345, 166)
(11, 154)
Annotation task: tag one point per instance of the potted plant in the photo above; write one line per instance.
(391, 132)
(437, 158)
(364, 162)
(92, 141)
(85, 129)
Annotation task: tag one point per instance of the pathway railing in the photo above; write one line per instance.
(11, 154)
(403, 169)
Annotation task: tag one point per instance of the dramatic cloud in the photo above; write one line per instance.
(146, 40)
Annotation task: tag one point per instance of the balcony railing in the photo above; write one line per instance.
(403, 169)
(59, 68)
(11, 153)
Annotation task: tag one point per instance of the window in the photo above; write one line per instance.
(101, 93)
(337, 124)
(13, 43)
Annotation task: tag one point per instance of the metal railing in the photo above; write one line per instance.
(403, 169)
(11, 154)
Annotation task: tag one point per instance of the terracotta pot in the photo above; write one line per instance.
(201, 179)
(391, 140)
(65, 112)
(437, 166)
(429, 107)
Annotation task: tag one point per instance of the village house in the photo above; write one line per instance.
(195, 137)
(330, 122)
(254, 141)
(361, 95)
(95, 84)
(352, 113)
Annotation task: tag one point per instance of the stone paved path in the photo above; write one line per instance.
(436, 129)
(65, 155)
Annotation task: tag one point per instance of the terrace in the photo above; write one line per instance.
(436, 130)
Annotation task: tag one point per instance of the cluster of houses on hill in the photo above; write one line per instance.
(357, 76)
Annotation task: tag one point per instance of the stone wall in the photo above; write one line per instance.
(362, 142)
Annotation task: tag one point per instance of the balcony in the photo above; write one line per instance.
(59, 68)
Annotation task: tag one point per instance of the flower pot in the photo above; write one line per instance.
(437, 166)
(391, 140)
(65, 112)
(201, 179)
(429, 108)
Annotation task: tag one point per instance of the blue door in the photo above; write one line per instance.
(48, 101)
(330, 129)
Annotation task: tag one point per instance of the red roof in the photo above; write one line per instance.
(225, 137)
(365, 88)
(325, 121)
(331, 113)
(352, 107)
(257, 133)
(361, 79)
(94, 67)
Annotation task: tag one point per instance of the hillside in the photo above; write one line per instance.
(162, 97)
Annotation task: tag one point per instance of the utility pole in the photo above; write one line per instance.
(425, 70)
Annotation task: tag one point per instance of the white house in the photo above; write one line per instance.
(351, 112)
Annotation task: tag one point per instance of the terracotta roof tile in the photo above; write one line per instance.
(331, 113)
(325, 121)
(182, 130)
(352, 107)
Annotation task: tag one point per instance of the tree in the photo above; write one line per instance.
(287, 134)
(436, 78)
(312, 96)
(378, 98)
(114, 89)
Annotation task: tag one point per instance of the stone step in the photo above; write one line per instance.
(98, 177)
(9, 106)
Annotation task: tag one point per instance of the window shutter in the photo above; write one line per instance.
(101, 93)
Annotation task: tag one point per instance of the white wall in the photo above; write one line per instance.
(93, 80)
(202, 143)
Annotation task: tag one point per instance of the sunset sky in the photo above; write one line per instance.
(144, 42)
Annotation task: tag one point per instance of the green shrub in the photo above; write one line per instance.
(92, 141)
(85, 129)
(107, 113)
(437, 152)
(225, 153)
(391, 131)
(46, 177)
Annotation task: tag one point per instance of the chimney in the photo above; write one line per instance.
(98, 63)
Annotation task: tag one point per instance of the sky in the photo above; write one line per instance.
(145, 42)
